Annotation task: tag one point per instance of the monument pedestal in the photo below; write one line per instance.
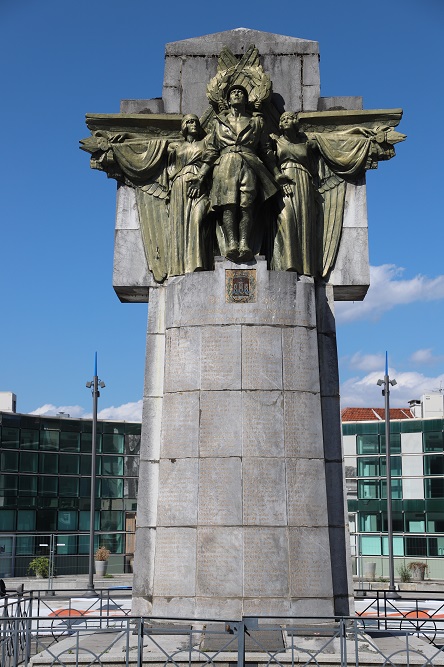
(241, 505)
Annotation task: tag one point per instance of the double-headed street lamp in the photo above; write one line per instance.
(386, 382)
(94, 386)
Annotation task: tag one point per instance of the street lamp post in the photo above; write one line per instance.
(94, 386)
(386, 382)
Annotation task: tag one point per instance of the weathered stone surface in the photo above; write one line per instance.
(147, 494)
(178, 486)
(144, 566)
(263, 423)
(307, 498)
(219, 561)
(303, 429)
(220, 497)
(261, 358)
(266, 562)
(310, 555)
(331, 420)
(174, 607)
(329, 103)
(175, 562)
(127, 216)
(182, 369)
(220, 430)
(156, 311)
(153, 105)
(221, 366)
(351, 273)
(151, 428)
(264, 492)
(131, 277)
(218, 607)
(180, 431)
(355, 207)
(154, 365)
(300, 359)
(286, 75)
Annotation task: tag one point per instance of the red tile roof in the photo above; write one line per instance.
(373, 414)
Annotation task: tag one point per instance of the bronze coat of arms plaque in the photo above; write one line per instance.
(240, 285)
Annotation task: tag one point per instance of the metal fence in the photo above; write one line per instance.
(104, 633)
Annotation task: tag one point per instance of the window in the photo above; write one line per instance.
(68, 464)
(434, 488)
(111, 520)
(29, 438)
(26, 520)
(368, 444)
(48, 486)
(395, 466)
(396, 485)
(49, 440)
(8, 485)
(370, 546)
(416, 546)
(368, 489)
(435, 522)
(67, 521)
(29, 461)
(112, 488)
(434, 464)
(7, 519)
(10, 438)
(433, 441)
(369, 523)
(9, 461)
(28, 485)
(69, 442)
(49, 463)
(112, 444)
(395, 443)
(112, 465)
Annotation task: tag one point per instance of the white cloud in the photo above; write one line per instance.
(364, 392)
(386, 291)
(130, 412)
(49, 410)
(368, 362)
(426, 356)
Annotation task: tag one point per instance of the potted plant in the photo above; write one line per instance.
(40, 566)
(418, 570)
(101, 560)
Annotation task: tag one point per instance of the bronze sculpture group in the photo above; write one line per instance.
(244, 180)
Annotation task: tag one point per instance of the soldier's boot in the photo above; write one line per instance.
(231, 233)
(245, 226)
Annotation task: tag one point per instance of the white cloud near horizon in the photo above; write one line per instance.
(130, 412)
(426, 356)
(388, 290)
(368, 362)
(364, 392)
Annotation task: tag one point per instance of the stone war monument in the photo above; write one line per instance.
(241, 218)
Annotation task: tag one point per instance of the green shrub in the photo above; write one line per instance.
(40, 566)
(404, 574)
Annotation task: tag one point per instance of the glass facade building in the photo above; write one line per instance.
(417, 469)
(45, 491)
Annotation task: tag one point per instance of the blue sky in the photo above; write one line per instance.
(61, 60)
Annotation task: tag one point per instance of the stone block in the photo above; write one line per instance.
(238, 41)
(351, 274)
(151, 428)
(310, 556)
(220, 492)
(334, 478)
(174, 607)
(143, 576)
(264, 492)
(153, 105)
(261, 357)
(263, 423)
(219, 562)
(300, 359)
(178, 486)
(171, 99)
(286, 75)
(267, 607)
(196, 73)
(348, 103)
(341, 566)
(331, 420)
(310, 70)
(156, 311)
(266, 562)
(219, 608)
(303, 428)
(311, 607)
(180, 425)
(307, 497)
(325, 309)
(355, 206)
(221, 357)
(220, 432)
(310, 97)
(175, 562)
(154, 365)
(127, 216)
(172, 74)
(182, 359)
(130, 266)
(147, 494)
(328, 364)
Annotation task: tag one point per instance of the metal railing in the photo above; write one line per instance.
(101, 631)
